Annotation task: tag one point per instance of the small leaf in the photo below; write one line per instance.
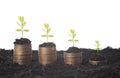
(24, 23)
(97, 41)
(19, 18)
(46, 25)
(74, 35)
(26, 30)
(50, 36)
(72, 31)
(76, 40)
(18, 30)
(70, 40)
(97, 45)
(22, 19)
(44, 35)
(49, 30)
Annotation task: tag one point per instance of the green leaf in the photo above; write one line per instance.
(97, 41)
(44, 35)
(50, 36)
(24, 23)
(76, 40)
(46, 25)
(19, 18)
(26, 30)
(18, 30)
(70, 40)
(72, 31)
(48, 30)
(74, 35)
(97, 45)
(22, 19)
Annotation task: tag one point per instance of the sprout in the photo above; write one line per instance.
(72, 35)
(47, 30)
(22, 25)
(97, 45)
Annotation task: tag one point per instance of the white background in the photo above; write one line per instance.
(91, 19)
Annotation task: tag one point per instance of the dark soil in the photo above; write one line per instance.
(73, 50)
(47, 44)
(59, 69)
(22, 41)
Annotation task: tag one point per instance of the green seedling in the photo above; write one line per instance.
(97, 45)
(22, 24)
(47, 31)
(72, 35)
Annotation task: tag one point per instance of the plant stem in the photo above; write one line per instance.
(47, 36)
(22, 33)
(97, 50)
(73, 41)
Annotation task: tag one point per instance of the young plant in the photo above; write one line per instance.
(47, 31)
(22, 24)
(97, 45)
(72, 35)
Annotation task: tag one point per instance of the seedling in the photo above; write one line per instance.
(97, 45)
(72, 35)
(22, 25)
(47, 31)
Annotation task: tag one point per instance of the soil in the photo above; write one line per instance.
(47, 44)
(59, 69)
(22, 41)
(73, 50)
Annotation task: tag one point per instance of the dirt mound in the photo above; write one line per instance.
(73, 49)
(22, 41)
(49, 44)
